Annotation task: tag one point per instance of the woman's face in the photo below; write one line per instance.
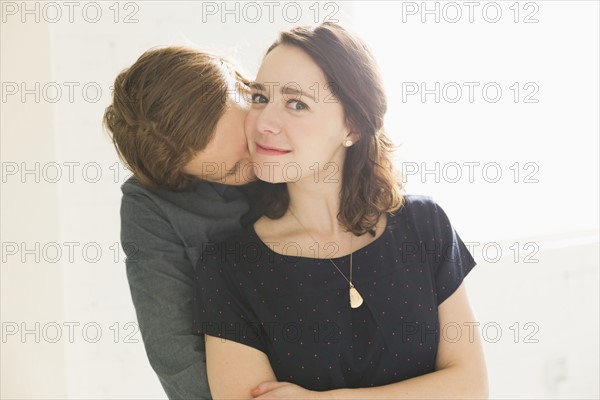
(295, 127)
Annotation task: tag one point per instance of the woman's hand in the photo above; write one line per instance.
(281, 390)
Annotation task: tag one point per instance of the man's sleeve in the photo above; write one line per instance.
(161, 280)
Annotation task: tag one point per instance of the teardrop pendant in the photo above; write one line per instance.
(356, 299)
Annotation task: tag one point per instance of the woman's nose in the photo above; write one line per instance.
(268, 121)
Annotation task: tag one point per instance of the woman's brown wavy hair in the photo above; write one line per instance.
(371, 186)
(165, 108)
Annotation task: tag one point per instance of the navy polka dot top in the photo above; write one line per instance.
(296, 309)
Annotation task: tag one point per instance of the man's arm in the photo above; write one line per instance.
(160, 277)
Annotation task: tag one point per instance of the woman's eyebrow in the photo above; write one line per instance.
(296, 91)
(288, 89)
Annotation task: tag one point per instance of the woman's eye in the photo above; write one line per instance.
(259, 98)
(297, 105)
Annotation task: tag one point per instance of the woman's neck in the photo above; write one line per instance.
(316, 206)
(312, 217)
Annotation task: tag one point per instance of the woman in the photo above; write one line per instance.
(343, 288)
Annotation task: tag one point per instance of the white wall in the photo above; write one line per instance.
(545, 146)
(31, 287)
(79, 209)
(539, 320)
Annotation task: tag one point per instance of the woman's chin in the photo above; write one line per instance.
(269, 179)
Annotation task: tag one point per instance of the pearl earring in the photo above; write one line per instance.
(348, 143)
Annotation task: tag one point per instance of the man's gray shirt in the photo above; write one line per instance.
(163, 234)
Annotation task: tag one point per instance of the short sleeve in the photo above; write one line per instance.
(453, 260)
(221, 307)
(447, 256)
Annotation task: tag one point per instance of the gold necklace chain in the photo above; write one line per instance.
(355, 298)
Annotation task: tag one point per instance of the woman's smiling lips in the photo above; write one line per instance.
(270, 151)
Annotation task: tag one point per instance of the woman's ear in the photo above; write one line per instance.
(350, 139)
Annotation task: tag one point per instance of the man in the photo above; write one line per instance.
(177, 121)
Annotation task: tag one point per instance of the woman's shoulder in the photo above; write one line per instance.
(415, 205)
(420, 214)
(418, 200)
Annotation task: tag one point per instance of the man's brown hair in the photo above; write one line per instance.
(165, 108)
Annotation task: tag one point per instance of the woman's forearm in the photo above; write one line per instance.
(447, 383)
